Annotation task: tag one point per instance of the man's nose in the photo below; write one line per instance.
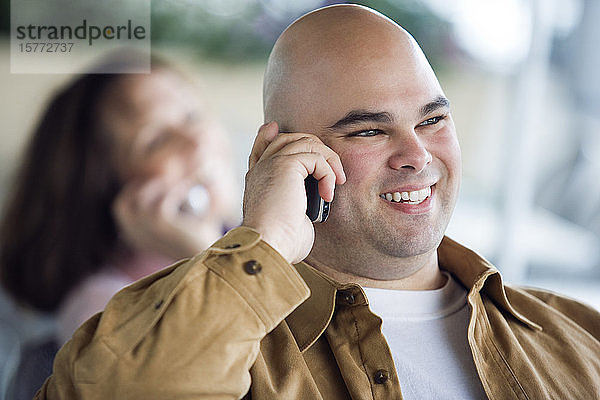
(410, 153)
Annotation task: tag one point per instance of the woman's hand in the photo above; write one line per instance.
(152, 217)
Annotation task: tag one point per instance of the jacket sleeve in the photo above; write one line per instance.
(189, 331)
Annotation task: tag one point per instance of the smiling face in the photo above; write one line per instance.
(162, 131)
(371, 96)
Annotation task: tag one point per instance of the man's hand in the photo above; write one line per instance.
(150, 218)
(275, 198)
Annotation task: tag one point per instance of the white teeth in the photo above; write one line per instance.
(414, 197)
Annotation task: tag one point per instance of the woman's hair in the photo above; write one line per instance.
(58, 226)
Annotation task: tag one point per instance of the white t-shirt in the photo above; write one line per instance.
(427, 334)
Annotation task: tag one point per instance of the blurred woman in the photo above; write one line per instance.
(124, 174)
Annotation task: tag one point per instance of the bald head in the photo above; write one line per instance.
(325, 49)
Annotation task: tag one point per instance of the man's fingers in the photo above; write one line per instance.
(294, 143)
(266, 134)
(316, 165)
(290, 143)
(268, 144)
(325, 174)
(336, 164)
(310, 145)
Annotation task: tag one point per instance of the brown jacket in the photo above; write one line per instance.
(238, 320)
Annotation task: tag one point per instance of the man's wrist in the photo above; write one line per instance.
(271, 239)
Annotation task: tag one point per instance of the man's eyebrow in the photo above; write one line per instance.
(358, 116)
(437, 103)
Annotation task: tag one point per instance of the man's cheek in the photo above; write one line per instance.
(357, 164)
(446, 141)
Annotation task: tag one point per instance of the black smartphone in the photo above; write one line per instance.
(317, 209)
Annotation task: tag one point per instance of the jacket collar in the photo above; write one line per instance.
(478, 275)
(309, 320)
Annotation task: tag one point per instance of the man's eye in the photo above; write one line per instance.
(432, 120)
(367, 133)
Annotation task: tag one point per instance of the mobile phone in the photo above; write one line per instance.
(317, 209)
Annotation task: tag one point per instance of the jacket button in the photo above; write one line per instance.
(347, 297)
(252, 267)
(232, 246)
(381, 376)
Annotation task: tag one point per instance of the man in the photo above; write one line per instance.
(362, 110)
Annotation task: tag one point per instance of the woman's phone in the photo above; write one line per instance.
(317, 209)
